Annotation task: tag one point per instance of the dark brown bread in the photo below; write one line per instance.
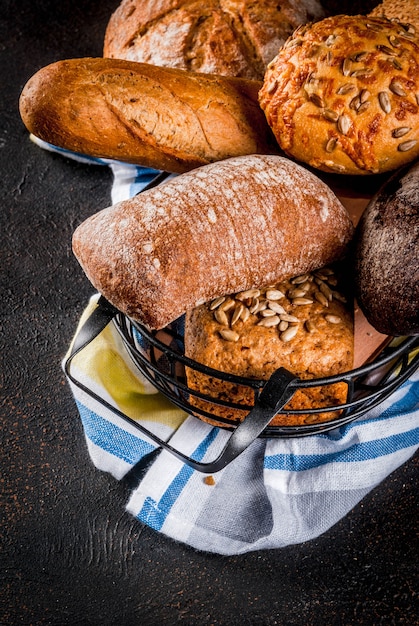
(387, 256)
(235, 38)
(168, 119)
(225, 227)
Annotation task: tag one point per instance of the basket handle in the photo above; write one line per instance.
(277, 391)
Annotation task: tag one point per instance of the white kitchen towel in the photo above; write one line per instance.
(278, 492)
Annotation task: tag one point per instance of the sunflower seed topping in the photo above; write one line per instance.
(250, 293)
(216, 303)
(333, 319)
(330, 115)
(407, 145)
(297, 280)
(384, 100)
(384, 49)
(364, 95)
(275, 306)
(269, 322)
(396, 63)
(400, 132)
(345, 88)
(300, 301)
(229, 335)
(344, 124)
(237, 313)
(346, 66)
(221, 317)
(395, 41)
(363, 72)
(397, 88)
(263, 306)
(296, 293)
(320, 297)
(274, 294)
(289, 333)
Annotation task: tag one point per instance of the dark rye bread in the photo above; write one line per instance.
(387, 256)
(223, 228)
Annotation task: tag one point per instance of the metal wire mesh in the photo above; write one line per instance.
(159, 355)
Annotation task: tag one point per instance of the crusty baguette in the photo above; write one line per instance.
(225, 227)
(164, 118)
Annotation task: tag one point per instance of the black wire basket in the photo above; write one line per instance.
(159, 356)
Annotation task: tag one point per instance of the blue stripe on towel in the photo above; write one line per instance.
(154, 513)
(143, 176)
(111, 438)
(365, 451)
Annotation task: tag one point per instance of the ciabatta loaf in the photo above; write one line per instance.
(223, 228)
(167, 119)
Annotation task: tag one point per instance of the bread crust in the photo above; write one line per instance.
(386, 256)
(342, 95)
(403, 10)
(163, 118)
(234, 38)
(225, 227)
(322, 344)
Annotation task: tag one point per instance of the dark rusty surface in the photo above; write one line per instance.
(69, 554)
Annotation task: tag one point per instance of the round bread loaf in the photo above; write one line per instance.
(232, 39)
(386, 256)
(342, 95)
(402, 10)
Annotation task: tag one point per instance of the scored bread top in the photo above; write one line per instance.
(234, 38)
(222, 228)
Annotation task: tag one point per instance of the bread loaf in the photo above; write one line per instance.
(387, 256)
(304, 325)
(230, 39)
(406, 11)
(158, 117)
(343, 95)
(225, 227)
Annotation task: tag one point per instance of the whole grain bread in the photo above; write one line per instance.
(167, 119)
(235, 38)
(304, 324)
(224, 227)
(406, 11)
(343, 95)
(387, 256)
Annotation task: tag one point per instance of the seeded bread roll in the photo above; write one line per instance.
(387, 256)
(225, 227)
(230, 39)
(163, 118)
(342, 95)
(304, 325)
(403, 10)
